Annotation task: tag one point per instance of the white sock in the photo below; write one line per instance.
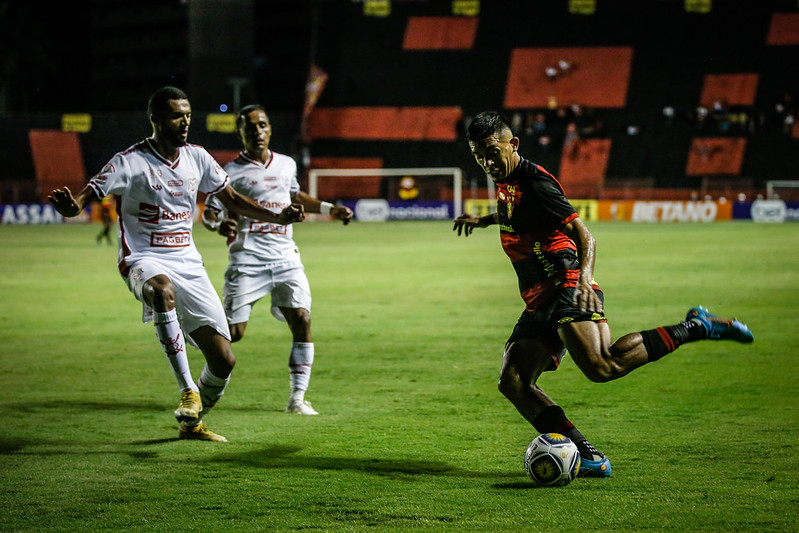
(211, 388)
(300, 363)
(168, 331)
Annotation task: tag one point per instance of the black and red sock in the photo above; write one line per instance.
(553, 420)
(664, 340)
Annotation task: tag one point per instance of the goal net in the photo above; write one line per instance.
(378, 194)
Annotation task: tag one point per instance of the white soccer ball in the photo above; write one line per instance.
(552, 460)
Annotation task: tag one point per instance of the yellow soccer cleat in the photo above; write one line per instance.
(198, 432)
(190, 406)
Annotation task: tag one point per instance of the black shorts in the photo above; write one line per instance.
(542, 323)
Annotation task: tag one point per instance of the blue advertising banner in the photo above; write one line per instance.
(381, 210)
(29, 214)
(766, 211)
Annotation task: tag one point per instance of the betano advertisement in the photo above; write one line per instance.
(636, 211)
(380, 210)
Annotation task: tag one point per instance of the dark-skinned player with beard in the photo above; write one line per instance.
(156, 182)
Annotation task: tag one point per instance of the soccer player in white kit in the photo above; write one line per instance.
(156, 182)
(264, 258)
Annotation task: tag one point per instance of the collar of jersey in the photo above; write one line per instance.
(255, 161)
(158, 155)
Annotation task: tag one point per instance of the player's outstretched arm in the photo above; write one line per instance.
(314, 205)
(238, 203)
(467, 222)
(68, 205)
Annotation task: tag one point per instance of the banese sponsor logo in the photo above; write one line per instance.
(151, 214)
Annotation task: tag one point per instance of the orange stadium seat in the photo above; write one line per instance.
(386, 123)
(729, 89)
(57, 161)
(583, 166)
(440, 33)
(529, 86)
(715, 155)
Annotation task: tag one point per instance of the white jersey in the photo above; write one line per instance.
(271, 185)
(157, 198)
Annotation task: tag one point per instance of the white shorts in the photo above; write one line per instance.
(196, 301)
(246, 284)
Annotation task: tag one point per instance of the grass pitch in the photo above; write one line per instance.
(409, 323)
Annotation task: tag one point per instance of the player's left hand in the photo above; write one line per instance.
(227, 227)
(586, 299)
(292, 213)
(64, 202)
(465, 224)
(341, 212)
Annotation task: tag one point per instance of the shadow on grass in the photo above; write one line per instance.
(285, 457)
(518, 485)
(11, 445)
(271, 457)
(74, 405)
(277, 456)
(78, 406)
(52, 448)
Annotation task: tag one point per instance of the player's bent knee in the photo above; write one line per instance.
(159, 293)
(222, 364)
(225, 355)
(507, 389)
(509, 384)
(599, 373)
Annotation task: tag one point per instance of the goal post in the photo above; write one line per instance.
(317, 174)
(782, 189)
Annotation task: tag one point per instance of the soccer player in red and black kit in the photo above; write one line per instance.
(553, 254)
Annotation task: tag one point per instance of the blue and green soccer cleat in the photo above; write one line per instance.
(719, 328)
(600, 468)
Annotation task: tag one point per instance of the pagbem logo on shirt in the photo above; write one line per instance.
(177, 239)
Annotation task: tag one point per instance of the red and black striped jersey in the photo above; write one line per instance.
(532, 209)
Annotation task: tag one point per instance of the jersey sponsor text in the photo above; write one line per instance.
(177, 239)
